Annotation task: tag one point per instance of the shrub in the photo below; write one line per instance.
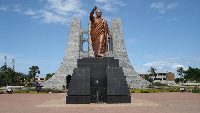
(196, 89)
(47, 90)
(145, 91)
(42, 91)
(153, 90)
(20, 91)
(174, 90)
(135, 91)
(171, 90)
(35, 92)
(159, 84)
(1, 92)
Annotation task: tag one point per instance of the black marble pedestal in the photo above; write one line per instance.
(97, 80)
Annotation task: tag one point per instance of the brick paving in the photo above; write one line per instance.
(141, 103)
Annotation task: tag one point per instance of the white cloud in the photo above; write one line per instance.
(58, 11)
(163, 7)
(157, 5)
(4, 8)
(109, 5)
(105, 1)
(172, 5)
(140, 69)
(30, 12)
(175, 66)
(50, 17)
(131, 41)
(158, 18)
(61, 11)
(169, 64)
(158, 63)
(171, 20)
(163, 66)
(54, 11)
(13, 7)
(17, 8)
(63, 6)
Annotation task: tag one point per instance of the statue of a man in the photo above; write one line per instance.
(99, 31)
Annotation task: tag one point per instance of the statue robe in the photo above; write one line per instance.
(99, 30)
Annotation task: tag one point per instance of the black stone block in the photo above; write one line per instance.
(86, 81)
(92, 98)
(77, 99)
(123, 83)
(73, 83)
(81, 65)
(113, 82)
(113, 62)
(93, 90)
(87, 74)
(86, 100)
(110, 91)
(118, 99)
(74, 75)
(115, 73)
(82, 61)
(70, 99)
(86, 92)
(116, 83)
(98, 75)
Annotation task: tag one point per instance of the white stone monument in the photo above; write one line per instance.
(75, 51)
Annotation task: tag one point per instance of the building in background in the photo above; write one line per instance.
(39, 79)
(163, 78)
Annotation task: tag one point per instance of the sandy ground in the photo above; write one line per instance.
(141, 103)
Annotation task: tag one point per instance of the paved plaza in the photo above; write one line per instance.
(141, 103)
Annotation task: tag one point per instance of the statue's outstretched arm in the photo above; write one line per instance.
(92, 13)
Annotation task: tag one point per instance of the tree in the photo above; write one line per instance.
(153, 71)
(180, 71)
(177, 80)
(33, 71)
(9, 77)
(48, 76)
(6, 75)
(148, 78)
(192, 74)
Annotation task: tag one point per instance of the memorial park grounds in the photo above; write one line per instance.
(155, 100)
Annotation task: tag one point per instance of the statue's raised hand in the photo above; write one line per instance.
(95, 8)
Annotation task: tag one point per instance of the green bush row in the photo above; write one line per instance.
(154, 90)
(26, 92)
(42, 91)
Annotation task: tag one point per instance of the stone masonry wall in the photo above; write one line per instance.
(70, 58)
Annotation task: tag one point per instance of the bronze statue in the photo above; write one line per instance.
(99, 31)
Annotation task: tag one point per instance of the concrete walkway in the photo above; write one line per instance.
(141, 103)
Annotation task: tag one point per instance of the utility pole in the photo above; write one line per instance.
(5, 63)
(13, 62)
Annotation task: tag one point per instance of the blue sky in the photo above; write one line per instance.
(164, 34)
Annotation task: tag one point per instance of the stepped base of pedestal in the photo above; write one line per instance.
(98, 80)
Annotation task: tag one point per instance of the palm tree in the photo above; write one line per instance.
(34, 70)
(153, 71)
(180, 71)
